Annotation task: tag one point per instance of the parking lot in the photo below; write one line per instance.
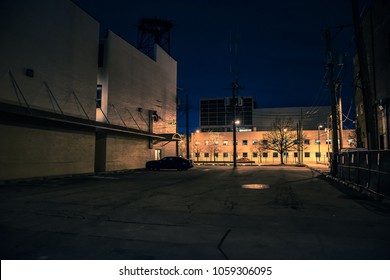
(252, 212)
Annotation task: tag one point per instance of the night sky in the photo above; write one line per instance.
(274, 48)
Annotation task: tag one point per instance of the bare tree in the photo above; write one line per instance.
(197, 149)
(213, 145)
(259, 148)
(281, 138)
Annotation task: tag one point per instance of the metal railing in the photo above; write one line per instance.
(367, 169)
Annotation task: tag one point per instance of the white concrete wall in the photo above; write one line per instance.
(58, 41)
(133, 84)
(133, 80)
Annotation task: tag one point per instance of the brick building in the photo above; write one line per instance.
(218, 146)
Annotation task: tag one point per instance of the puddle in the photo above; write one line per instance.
(255, 186)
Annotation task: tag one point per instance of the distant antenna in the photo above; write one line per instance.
(154, 31)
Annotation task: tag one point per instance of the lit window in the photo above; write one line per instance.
(225, 142)
(206, 142)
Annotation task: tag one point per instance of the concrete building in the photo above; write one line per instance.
(310, 117)
(216, 114)
(136, 92)
(64, 111)
(214, 139)
(218, 147)
(376, 34)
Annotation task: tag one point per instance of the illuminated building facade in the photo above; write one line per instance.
(218, 147)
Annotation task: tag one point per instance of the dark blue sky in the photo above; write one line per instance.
(275, 48)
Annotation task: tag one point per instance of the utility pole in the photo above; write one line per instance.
(340, 111)
(187, 130)
(333, 101)
(368, 96)
(235, 88)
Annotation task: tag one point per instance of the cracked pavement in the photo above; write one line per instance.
(202, 213)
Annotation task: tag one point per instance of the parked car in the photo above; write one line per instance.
(244, 160)
(178, 163)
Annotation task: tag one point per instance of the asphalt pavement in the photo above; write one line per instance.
(251, 212)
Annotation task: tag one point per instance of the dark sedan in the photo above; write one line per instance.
(177, 163)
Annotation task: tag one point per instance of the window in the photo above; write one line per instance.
(225, 155)
(244, 142)
(197, 155)
(255, 142)
(306, 142)
(318, 141)
(206, 155)
(225, 142)
(254, 155)
(206, 142)
(295, 154)
(275, 154)
(99, 96)
(307, 154)
(318, 155)
(215, 155)
(265, 154)
(328, 141)
(244, 154)
(197, 142)
(265, 142)
(216, 142)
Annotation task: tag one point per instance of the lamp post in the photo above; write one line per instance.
(318, 158)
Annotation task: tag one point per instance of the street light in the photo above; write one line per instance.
(318, 158)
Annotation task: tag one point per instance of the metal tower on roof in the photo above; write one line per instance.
(154, 31)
